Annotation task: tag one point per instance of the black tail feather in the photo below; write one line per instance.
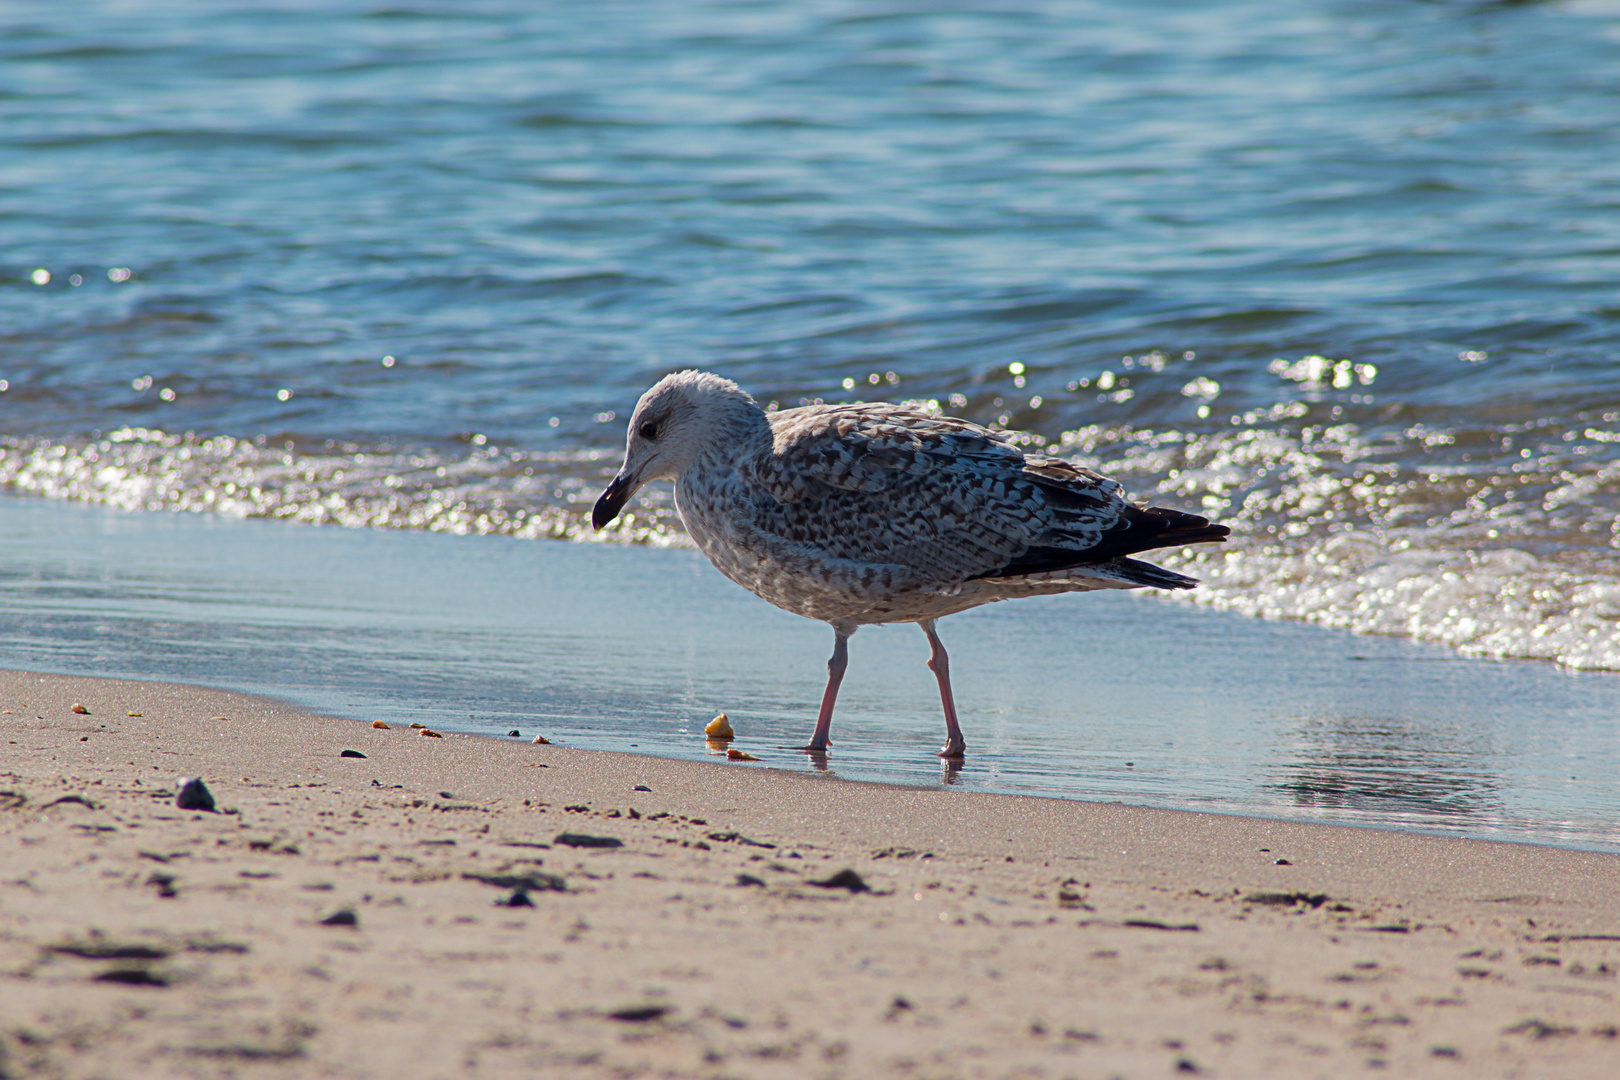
(1140, 529)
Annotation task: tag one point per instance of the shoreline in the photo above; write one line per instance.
(998, 935)
(285, 706)
(1101, 698)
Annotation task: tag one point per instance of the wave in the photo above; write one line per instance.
(1419, 533)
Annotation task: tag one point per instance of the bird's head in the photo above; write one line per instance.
(683, 417)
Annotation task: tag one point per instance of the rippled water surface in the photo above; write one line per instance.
(1342, 275)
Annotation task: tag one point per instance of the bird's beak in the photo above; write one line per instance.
(613, 499)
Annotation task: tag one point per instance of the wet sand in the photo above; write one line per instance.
(987, 936)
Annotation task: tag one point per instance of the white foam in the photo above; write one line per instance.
(1408, 533)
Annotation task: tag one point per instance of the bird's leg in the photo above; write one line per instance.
(940, 664)
(835, 675)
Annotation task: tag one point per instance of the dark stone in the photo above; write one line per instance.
(844, 879)
(640, 1014)
(351, 753)
(132, 977)
(749, 879)
(519, 898)
(514, 733)
(194, 795)
(578, 840)
(1154, 924)
(342, 917)
(1286, 899)
(641, 787)
(523, 882)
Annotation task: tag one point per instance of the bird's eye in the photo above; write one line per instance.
(648, 430)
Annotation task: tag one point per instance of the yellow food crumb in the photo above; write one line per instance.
(719, 728)
(739, 755)
(379, 724)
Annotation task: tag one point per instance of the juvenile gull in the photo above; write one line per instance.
(876, 513)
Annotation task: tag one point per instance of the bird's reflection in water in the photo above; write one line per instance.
(1393, 766)
(949, 767)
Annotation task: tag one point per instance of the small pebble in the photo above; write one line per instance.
(343, 917)
(640, 1014)
(514, 733)
(80, 709)
(541, 740)
(739, 755)
(844, 879)
(579, 840)
(194, 794)
(132, 714)
(430, 733)
(379, 725)
(719, 728)
(351, 753)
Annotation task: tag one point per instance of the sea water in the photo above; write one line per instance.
(612, 647)
(1340, 275)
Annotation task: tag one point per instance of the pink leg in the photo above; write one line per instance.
(940, 664)
(835, 675)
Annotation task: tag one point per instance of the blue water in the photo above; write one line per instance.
(1341, 275)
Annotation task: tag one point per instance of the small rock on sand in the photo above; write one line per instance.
(351, 753)
(194, 794)
(80, 709)
(844, 879)
(719, 728)
(639, 1014)
(579, 840)
(379, 725)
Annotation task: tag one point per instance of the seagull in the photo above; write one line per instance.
(871, 513)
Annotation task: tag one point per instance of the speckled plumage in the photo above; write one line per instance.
(875, 513)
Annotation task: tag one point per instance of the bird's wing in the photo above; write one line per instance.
(945, 497)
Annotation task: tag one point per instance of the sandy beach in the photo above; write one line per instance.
(461, 905)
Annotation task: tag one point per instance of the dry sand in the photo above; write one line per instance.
(998, 936)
